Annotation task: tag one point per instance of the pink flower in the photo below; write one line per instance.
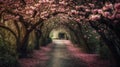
(100, 11)
(94, 11)
(36, 5)
(87, 10)
(32, 7)
(91, 5)
(117, 16)
(106, 14)
(17, 17)
(117, 6)
(115, 21)
(53, 9)
(61, 10)
(78, 20)
(51, 1)
(111, 17)
(109, 5)
(94, 31)
(77, 7)
(74, 12)
(105, 8)
(53, 5)
(62, 2)
(94, 17)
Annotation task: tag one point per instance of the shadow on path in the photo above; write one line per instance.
(62, 53)
(60, 57)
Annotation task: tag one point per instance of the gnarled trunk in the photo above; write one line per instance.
(23, 47)
(37, 43)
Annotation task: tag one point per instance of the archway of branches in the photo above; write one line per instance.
(83, 36)
(59, 22)
(29, 23)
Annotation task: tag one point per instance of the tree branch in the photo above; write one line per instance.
(9, 30)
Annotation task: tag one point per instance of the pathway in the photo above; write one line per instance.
(62, 53)
(60, 57)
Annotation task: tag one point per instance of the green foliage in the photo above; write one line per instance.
(104, 52)
(8, 56)
(92, 39)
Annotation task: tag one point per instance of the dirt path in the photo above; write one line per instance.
(60, 57)
(63, 54)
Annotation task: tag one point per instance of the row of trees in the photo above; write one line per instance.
(22, 17)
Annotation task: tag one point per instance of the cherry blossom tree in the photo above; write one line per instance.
(102, 15)
(30, 14)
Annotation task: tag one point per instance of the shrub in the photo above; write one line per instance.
(104, 52)
(8, 56)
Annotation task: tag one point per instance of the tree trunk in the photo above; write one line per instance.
(23, 47)
(37, 43)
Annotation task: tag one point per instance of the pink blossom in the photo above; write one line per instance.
(111, 17)
(97, 37)
(100, 11)
(74, 12)
(61, 10)
(41, 1)
(17, 17)
(106, 14)
(87, 10)
(109, 5)
(94, 11)
(45, 12)
(27, 7)
(94, 31)
(36, 5)
(99, 30)
(77, 7)
(17, 5)
(95, 17)
(115, 21)
(117, 16)
(91, 5)
(117, 6)
(51, 1)
(54, 5)
(78, 20)
(62, 2)
(32, 7)
(29, 12)
(53, 9)
(69, 13)
(16, 10)
(104, 8)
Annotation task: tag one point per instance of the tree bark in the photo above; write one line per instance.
(37, 43)
(23, 47)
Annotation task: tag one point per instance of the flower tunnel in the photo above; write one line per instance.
(82, 36)
(91, 25)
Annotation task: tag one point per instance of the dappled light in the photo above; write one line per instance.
(59, 33)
